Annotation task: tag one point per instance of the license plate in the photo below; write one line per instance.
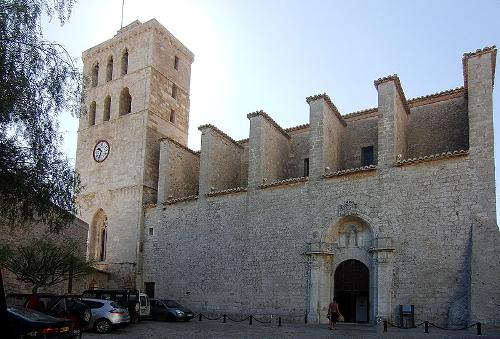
(64, 329)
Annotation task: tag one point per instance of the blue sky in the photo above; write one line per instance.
(272, 54)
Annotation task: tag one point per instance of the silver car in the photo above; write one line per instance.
(106, 314)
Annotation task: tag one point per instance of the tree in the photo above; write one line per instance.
(44, 263)
(38, 80)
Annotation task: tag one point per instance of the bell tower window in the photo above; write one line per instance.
(107, 108)
(95, 75)
(124, 69)
(172, 116)
(109, 69)
(92, 114)
(125, 102)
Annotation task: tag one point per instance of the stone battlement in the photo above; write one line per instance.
(398, 132)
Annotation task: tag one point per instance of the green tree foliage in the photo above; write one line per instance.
(44, 263)
(38, 80)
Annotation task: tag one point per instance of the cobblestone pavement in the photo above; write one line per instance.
(217, 329)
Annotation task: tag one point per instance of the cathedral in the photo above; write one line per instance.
(387, 209)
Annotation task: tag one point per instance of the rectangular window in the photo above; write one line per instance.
(176, 63)
(306, 167)
(151, 231)
(367, 156)
(149, 288)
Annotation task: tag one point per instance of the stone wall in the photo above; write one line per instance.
(438, 127)
(179, 171)
(359, 133)
(76, 230)
(299, 151)
(220, 160)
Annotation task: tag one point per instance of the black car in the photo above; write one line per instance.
(56, 305)
(163, 309)
(25, 322)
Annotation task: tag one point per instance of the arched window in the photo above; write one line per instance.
(109, 69)
(107, 108)
(124, 69)
(92, 114)
(174, 91)
(98, 236)
(95, 75)
(125, 102)
(172, 116)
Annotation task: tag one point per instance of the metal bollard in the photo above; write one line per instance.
(250, 320)
(224, 318)
(199, 317)
(385, 326)
(479, 332)
(279, 321)
(426, 326)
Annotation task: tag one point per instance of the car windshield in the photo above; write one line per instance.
(171, 304)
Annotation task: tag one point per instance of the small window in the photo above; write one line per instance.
(176, 63)
(107, 108)
(174, 91)
(172, 116)
(102, 254)
(367, 156)
(151, 231)
(124, 69)
(306, 167)
(92, 114)
(125, 102)
(109, 69)
(95, 75)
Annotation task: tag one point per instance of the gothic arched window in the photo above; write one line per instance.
(98, 236)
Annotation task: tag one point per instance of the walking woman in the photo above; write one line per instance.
(333, 314)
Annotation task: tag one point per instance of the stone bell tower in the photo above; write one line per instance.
(137, 92)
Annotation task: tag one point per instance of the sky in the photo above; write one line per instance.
(272, 54)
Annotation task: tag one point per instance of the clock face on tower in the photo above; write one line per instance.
(101, 151)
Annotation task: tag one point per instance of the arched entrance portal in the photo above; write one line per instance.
(351, 286)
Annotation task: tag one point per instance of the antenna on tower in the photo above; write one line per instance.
(123, 4)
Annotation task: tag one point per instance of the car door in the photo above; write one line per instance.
(145, 308)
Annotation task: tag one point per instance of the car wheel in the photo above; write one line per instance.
(86, 316)
(102, 326)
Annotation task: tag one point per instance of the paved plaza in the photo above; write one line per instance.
(217, 329)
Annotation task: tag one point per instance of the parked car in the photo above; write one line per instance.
(170, 310)
(136, 302)
(106, 314)
(56, 305)
(27, 323)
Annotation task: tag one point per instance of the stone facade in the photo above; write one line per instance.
(387, 206)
